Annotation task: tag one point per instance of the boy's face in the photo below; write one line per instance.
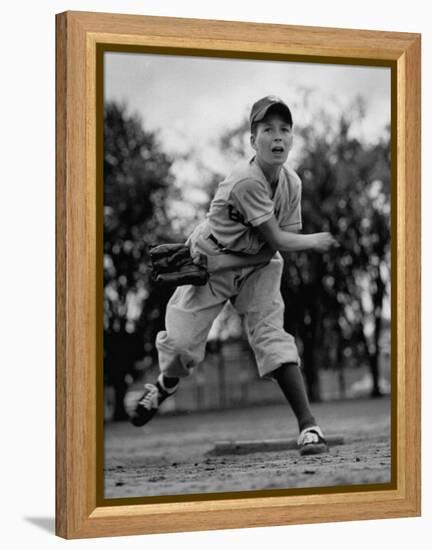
(273, 140)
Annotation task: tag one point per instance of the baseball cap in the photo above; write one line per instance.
(260, 108)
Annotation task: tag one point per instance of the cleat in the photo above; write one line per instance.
(148, 405)
(311, 442)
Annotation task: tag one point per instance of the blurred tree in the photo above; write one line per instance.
(339, 296)
(137, 184)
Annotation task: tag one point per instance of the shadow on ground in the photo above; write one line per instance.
(46, 524)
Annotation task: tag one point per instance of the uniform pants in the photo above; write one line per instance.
(253, 291)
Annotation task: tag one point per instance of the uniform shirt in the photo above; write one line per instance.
(245, 200)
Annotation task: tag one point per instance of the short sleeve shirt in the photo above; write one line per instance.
(245, 200)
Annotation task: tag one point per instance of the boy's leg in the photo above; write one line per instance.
(275, 350)
(311, 440)
(170, 382)
(291, 382)
(151, 399)
(190, 314)
(260, 303)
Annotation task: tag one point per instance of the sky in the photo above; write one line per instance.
(191, 100)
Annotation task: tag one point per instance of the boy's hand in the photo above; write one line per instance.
(323, 242)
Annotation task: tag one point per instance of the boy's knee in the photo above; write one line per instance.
(177, 344)
(267, 326)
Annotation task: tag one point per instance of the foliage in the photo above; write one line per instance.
(137, 187)
(340, 296)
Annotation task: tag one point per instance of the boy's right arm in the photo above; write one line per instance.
(284, 241)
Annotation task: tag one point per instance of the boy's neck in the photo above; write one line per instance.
(270, 172)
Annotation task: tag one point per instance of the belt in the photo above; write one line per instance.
(213, 238)
(223, 248)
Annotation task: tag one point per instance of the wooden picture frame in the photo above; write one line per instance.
(78, 287)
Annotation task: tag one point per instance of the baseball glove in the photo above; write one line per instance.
(172, 265)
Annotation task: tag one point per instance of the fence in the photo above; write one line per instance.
(227, 378)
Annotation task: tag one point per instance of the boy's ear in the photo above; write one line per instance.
(252, 141)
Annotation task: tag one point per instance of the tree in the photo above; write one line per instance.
(137, 184)
(340, 295)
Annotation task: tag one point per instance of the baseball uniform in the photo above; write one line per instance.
(243, 201)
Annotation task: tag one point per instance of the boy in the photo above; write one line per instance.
(254, 216)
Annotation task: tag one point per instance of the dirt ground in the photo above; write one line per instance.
(169, 455)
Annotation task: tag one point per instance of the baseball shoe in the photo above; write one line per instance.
(154, 395)
(311, 441)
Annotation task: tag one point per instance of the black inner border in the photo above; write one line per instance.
(101, 49)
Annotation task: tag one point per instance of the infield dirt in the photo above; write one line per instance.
(169, 455)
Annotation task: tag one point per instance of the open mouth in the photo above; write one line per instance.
(277, 149)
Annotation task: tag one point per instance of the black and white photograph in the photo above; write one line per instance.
(123, 122)
(247, 276)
